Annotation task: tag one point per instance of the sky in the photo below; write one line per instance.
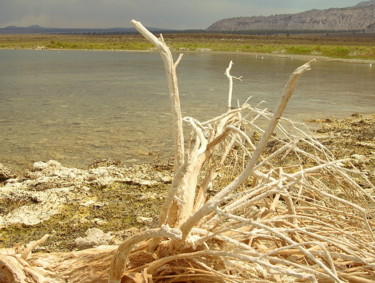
(171, 14)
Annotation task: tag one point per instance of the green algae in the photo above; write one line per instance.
(7, 205)
(115, 208)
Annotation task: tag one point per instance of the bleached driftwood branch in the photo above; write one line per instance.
(170, 69)
(230, 78)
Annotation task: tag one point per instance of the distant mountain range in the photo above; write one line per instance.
(358, 18)
(361, 17)
(39, 29)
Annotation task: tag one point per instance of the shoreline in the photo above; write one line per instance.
(294, 56)
(280, 55)
(318, 126)
(313, 124)
(68, 201)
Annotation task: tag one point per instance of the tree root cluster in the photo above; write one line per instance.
(235, 213)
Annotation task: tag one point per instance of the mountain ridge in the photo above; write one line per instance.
(365, 3)
(358, 18)
(50, 30)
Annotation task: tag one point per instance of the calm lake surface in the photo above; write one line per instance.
(78, 106)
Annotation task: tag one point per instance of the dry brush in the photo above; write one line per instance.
(255, 197)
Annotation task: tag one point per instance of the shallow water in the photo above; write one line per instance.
(78, 106)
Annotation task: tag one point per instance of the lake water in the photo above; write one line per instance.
(78, 106)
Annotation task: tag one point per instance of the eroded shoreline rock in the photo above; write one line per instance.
(5, 173)
(94, 237)
(50, 185)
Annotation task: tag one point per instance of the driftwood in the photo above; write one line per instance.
(254, 198)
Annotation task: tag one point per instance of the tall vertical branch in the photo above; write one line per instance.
(170, 69)
(230, 78)
(173, 204)
(227, 73)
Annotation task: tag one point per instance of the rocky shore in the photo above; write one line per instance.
(107, 202)
(352, 137)
(68, 202)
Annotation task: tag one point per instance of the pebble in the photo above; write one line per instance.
(94, 237)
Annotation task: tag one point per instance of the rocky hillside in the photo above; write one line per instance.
(359, 17)
(365, 3)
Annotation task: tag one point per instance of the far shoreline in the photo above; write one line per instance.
(280, 55)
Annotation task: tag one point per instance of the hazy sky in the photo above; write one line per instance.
(178, 14)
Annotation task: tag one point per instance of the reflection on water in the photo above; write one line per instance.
(77, 106)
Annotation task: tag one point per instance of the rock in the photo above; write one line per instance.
(104, 163)
(356, 115)
(99, 221)
(145, 220)
(360, 159)
(94, 237)
(40, 165)
(328, 120)
(54, 163)
(49, 185)
(29, 214)
(44, 205)
(5, 173)
(93, 204)
(88, 203)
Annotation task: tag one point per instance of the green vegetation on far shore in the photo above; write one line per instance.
(334, 46)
